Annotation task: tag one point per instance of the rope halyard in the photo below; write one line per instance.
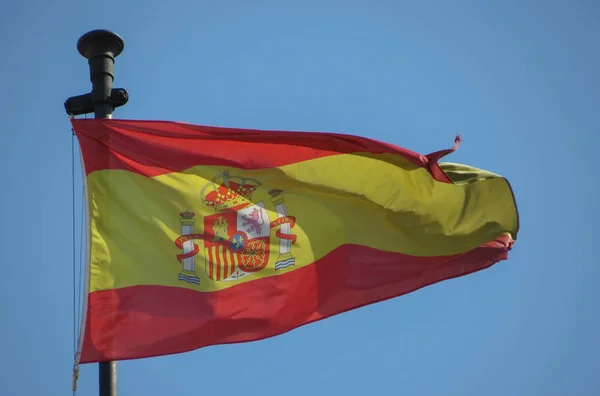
(75, 378)
(77, 286)
(75, 371)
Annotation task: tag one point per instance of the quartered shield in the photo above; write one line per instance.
(236, 242)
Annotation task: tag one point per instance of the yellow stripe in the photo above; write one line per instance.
(336, 200)
(222, 269)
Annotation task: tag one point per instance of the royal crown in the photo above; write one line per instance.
(226, 192)
(187, 215)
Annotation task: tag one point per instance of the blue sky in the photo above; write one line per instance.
(518, 79)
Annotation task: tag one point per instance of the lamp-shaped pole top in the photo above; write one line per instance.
(100, 47)
(99, 42)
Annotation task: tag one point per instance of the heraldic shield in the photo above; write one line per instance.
(236, 239)
(236, 242)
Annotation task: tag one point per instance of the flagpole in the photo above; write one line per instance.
(100, 47)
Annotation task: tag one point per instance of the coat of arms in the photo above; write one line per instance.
(236, 240)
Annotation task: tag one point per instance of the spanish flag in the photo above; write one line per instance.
(201, 235)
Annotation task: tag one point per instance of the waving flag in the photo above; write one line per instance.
(201, 235)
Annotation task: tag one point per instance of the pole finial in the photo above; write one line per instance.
(100, 41)
(100, 47)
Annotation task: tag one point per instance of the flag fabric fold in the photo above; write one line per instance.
(201, 235)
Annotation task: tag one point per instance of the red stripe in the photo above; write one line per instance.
(225, 263)
(218, 263)
(146, 321)
(152, 148)
(211, 263)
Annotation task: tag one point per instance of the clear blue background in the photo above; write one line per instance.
(518, 79)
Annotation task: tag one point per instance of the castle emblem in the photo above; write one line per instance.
(237, 238)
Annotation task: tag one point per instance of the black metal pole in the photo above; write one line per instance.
(100, 47)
